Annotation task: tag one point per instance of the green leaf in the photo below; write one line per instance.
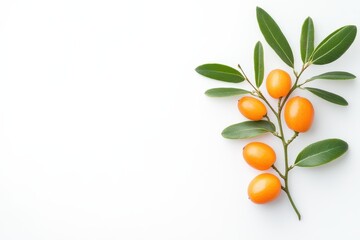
(328, 96)
(220, 72)
(321, 152)
(247, 129)
(259, 64)
(334, 76)
(225, 92)
(274, 36)
(307, 40)
(334, 45)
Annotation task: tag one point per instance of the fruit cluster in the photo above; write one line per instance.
(299, 114)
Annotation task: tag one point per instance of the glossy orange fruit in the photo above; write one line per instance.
(278, 83)
(252, 108)
(299, 114)
(259, 155)
(264, 188)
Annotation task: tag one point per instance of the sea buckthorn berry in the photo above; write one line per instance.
(264, 188)
(278, 83)
(299, 114)
(259, 155)
(252, 108)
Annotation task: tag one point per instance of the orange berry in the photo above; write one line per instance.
(259, 155)
(299, 114)
(252, 108)
(264, 188)
(278, 83)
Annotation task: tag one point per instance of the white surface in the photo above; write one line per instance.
(105, 132)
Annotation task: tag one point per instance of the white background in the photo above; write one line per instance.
(105, 132)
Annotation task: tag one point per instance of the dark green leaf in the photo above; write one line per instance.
(225, 92)
(259, 64)
(334, 76)
(321, 152)
(307, 40)
(335, 45)
(220, 72)
(248, 129)
(328, 96)
(274, 36)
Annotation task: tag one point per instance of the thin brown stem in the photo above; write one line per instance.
(247, 79)
(259, 94)
(292, 203)
(286, 179)
(292, 138)
(267, 102)
(295, 85)
(278, 172)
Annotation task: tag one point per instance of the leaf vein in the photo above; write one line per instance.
(314, 155)
(333, 47)
(279, 45)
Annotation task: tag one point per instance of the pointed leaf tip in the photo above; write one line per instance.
(321, 152)
(336, 75)
(225, 92)
(328, 96)
(334, 45)
(220, 72)
(248, 129)
(307, 40)
(274, 36)
(259, 64)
